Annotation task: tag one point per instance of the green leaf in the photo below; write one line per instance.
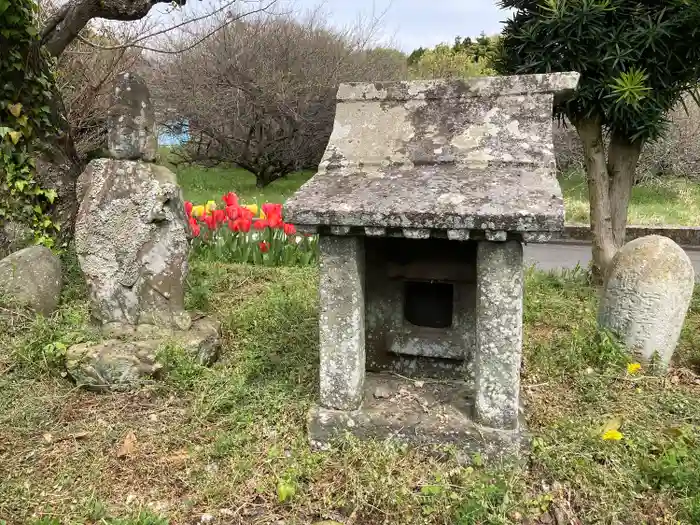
(15, 136)
(15, 109)
(50, 195)
(285, 491)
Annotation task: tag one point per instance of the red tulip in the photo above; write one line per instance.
(219, 216)
(264, 247)
(232, 212)
(240, 225)
(194, 225)
(231, 199)
(188, 208)
(245, 213)
(270, 209)
(210, 221)
(289, 229)
(260, 224)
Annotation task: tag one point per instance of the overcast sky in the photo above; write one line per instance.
(406, 24)
(414, 23)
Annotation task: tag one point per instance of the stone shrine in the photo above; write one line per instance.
(423, 200)
(131, 238)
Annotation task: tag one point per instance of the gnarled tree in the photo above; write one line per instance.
(636, 60)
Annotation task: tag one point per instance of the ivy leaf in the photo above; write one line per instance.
(50, 195)
(31, 31)
(4, 131)
(22, 121)
(15, 136)
(15, 109)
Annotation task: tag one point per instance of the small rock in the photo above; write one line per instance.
(206, 518)
(31, 278)
(382, 392)
(113, 364)
(153, 417)
(130, 499)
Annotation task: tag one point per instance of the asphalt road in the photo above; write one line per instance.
(566, 255)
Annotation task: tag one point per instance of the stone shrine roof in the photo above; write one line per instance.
(455, 155)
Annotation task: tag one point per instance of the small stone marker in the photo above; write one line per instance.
(646, 296)
(423, 199)
(131, 121)
(131, 237)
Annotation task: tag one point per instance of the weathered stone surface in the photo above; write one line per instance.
(31, 278)
(646, 296)
(202, 340)
(131, 121)
(113, 364)
(432, 415)
(499, 333)
(395, 344)
(479, 150)
(342, 322)
(131, 237)
(14, 236)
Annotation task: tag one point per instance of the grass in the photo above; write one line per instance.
(230, 441)
(657, 202)
(203, 184)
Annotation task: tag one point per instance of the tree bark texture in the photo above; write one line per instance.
(64, 26)
(610, 185)
(591, 133)
(623, 155)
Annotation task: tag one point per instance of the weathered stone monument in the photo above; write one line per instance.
(131, 238)
(424, 197)
(646, 297)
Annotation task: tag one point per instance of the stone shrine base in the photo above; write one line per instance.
(422, 413)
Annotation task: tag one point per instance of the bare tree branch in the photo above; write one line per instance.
(229, 20)
(72, 18)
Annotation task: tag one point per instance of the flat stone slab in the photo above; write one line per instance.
(432, 197)
(420, 413)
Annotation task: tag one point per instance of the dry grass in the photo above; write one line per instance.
(230, 441)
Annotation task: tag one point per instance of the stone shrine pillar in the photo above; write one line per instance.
(423, 200)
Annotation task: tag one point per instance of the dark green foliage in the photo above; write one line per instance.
(636, 58)
(26, 93)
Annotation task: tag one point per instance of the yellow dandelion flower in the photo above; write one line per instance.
(253, 209)
(612, 435)
(633, 368)
(198, 211)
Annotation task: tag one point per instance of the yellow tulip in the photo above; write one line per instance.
(198, 211)
(253, 209)
(210, 205)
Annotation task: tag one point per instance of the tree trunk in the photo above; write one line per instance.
(590, 130)
(622, 163)
(58, 165)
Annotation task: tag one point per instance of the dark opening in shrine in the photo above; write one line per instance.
(428, 304)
